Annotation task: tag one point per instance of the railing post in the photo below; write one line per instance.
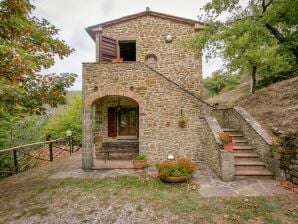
(51, 151)
(71, 144)
(15, 159)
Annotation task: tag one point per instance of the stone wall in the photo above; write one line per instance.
(160, 104)
(173, 60)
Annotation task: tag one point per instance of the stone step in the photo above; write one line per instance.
(242, 147)
(249, 163)
(245, 155)
(253, 173)
(240, 141)
(229, 130)
(236, 135)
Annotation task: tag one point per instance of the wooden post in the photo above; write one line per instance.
(69, 142)
(72, 144)
(51, 151)
(15, 159)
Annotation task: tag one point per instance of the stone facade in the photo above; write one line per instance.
(173, 60)
(160, 105)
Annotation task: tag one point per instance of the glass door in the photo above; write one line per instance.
(128, 124)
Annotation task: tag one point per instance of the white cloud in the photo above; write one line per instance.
(72, 17)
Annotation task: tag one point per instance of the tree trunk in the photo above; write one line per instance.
(253, 80)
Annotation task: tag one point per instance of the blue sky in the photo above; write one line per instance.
(73, 16)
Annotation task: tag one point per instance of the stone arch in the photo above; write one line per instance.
(114, 92)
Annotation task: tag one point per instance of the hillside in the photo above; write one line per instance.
(275, 106)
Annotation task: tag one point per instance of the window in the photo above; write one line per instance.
(127, 50)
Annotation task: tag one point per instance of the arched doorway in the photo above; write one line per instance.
(113, 121)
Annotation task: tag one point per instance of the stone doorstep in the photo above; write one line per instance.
(244, 147)
(229, 130)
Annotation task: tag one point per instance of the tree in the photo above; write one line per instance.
(220, 80)
(67, 118)
(259, 38)
(27, 45)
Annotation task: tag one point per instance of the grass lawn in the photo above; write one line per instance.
(132, 200)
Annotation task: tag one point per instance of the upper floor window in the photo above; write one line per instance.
(127, 50)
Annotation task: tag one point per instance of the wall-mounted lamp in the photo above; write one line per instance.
(169, 38)
(171, 157)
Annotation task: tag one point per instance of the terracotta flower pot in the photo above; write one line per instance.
(176, 179)
(182, 124)
(139, 164)
(228, 147)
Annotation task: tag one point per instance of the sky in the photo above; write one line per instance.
(73, 16)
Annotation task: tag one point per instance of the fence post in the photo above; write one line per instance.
(15, 159)
(51, 151)
(71, 144)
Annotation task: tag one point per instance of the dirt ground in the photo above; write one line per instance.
(36, 197)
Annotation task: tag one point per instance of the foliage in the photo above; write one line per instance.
(16, 131)
(221, 80)
(66, 118)
(258, 38)
(140, 157)
(224, 138)
(179, 167)
(27, 45)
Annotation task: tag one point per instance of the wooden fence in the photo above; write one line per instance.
(20, 158)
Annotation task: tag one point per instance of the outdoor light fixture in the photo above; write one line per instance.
(169, 38)
(69, 133)
(171, 157)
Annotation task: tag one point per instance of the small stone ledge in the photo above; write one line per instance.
(215, 128)
(254, 124)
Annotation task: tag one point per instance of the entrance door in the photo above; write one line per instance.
(128, 124)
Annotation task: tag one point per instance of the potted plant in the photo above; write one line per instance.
(226, 139)
(139, 162)
(175, 171)
(182, 121)
(117, 60)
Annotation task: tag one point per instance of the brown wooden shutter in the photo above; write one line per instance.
(112, 121)
(107, 49)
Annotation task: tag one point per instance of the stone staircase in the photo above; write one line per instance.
(247, 161)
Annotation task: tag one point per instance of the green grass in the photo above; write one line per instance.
(146, 192)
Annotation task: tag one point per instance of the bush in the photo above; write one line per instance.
(179, 167)
(140, 157)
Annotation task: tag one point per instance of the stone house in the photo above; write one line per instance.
(144, 81)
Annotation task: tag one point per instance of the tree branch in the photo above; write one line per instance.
(265, 6)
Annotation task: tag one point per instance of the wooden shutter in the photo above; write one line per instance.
(107, 49)
(112, 121)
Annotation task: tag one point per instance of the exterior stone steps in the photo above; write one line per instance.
(247, 163)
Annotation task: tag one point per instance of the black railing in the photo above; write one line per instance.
(20, 158)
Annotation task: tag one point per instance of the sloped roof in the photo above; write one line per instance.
(92, 29)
